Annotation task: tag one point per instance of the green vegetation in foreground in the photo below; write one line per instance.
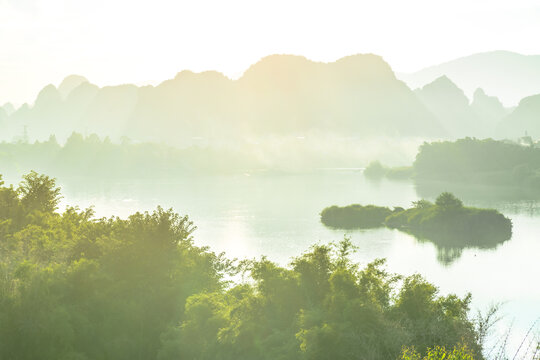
(447, 221)
(460, 352)
(76, 287)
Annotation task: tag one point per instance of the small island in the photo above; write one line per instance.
(355, 216)
(445, 222)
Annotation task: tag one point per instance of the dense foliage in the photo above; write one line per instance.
(76, 287)
(439, 353)
(355, 216)
(479, 161)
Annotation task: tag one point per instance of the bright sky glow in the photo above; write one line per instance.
(120, 41)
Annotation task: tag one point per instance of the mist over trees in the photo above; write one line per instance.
(479, 161)
(351, 101)
(100, 157)
(93, 157)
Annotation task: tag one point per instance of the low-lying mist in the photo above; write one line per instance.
(92, 156)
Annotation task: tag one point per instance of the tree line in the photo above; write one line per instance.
(91, 156)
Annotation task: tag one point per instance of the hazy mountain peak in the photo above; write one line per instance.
(8, 108)
(449, 104)
(279, 95)
(48, 96)
(293, 72)
(352, 64)
(533, 99)
(480, 96)
(488, 108)
(441, 82)
(69, 83)
(277, 63)
(367, 64)
(509, 75)
(210, 74)
(184, 73)
(446, 89)
(523, 119)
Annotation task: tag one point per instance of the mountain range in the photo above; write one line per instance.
(281, 94)
(508, 75)
(356, 96)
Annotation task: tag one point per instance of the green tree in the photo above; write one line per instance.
(39, 192)
(447, 200)
(460, 352)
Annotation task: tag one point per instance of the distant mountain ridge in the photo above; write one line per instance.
(458, 116)
(524, 120)
(354, 97)
(357, 95)
(508, 75)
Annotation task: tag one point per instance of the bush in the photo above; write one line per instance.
(460, 352)
(375, 170)
(355, 216)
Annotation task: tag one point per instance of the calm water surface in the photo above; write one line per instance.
(278, 216)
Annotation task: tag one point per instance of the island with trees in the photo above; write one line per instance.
(445, 222)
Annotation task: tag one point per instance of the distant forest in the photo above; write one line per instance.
(480, 162)
(91, 156)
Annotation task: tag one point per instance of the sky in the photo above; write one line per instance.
(132, 41)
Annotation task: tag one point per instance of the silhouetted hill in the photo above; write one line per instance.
(70, 83)
(359, 93)
(8, 108)
(508, 75)
(459, 117)
(488, 108)
(450, 105)
(356, 96)
(524, 120)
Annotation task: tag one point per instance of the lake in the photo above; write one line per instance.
(277, 215)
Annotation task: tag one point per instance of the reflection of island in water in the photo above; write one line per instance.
(450, 245)
(446, 223)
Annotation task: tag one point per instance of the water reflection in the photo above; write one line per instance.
(278, 215)
(447, 254)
